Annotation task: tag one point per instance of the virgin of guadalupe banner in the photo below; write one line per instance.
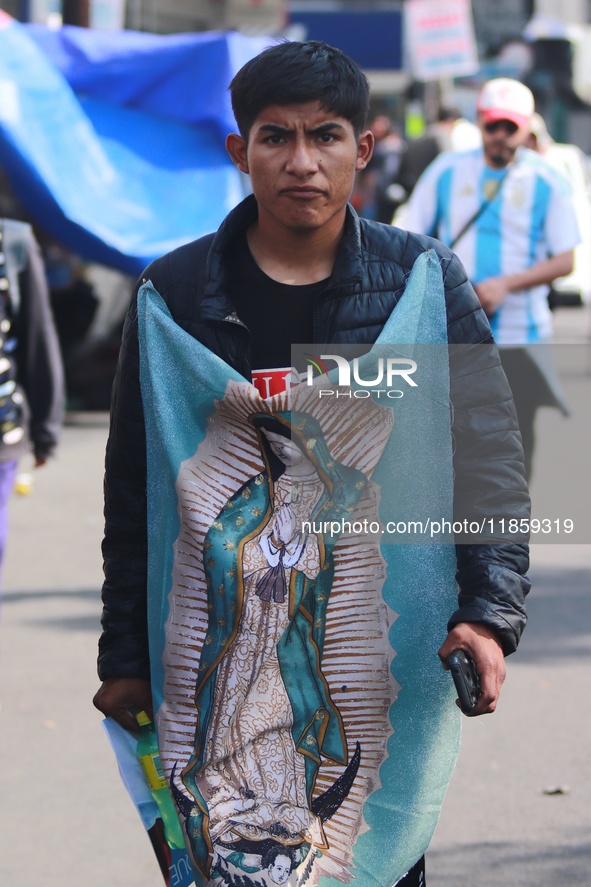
(306, 727)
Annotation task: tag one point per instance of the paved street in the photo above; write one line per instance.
(502, 821)
(518, 811)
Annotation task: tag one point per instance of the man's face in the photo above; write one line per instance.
(302, 162)
(500, 140)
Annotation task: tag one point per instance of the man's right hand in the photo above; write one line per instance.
(122, 699)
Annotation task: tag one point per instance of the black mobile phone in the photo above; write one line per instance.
(466, 680)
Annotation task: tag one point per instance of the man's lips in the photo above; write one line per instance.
(302, 191)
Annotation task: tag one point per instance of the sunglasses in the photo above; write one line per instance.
(508, 125)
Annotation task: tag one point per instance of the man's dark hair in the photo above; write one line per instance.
(292, 73)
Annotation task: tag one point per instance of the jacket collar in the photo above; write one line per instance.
(216, 303)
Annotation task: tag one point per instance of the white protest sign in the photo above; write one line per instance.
(440, 39)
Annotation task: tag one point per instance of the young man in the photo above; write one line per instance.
(510, 217)
(294, 264)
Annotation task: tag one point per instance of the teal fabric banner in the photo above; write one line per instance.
(305, 724)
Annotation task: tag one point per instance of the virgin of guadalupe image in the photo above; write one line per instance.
(266, 719)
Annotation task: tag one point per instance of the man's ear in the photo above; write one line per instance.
(236, 148)
(365, 146)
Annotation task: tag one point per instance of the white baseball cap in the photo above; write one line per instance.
(505, 99)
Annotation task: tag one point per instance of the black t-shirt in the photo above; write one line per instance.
(277, 314)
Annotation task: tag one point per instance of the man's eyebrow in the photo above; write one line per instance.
(272, 127)
(329, 126)
(326, 127)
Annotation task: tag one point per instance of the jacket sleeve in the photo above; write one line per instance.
(123, 646)
(40, 368)
(489, 475)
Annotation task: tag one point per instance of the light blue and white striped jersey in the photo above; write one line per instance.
(531, 218)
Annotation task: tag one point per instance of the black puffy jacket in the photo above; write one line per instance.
(369, 275)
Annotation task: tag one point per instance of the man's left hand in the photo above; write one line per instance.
(481, 643)
(491, 293)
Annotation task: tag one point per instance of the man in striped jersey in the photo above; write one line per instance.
(510, 218)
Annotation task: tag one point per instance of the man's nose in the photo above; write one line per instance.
(302, 158)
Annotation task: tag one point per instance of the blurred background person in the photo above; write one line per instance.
(32, 396)
(450, 132)
(370, 193)
(572, 163)
(509, 216)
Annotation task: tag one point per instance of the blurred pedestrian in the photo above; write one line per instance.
(572, 163)
(32, 397)
(369, 196)
(510, 218)
(450, 132)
